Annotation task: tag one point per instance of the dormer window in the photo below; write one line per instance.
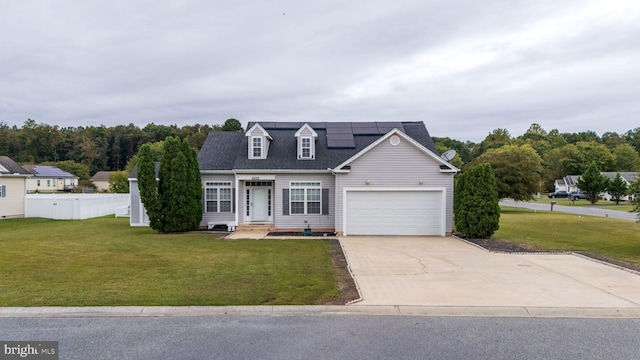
(256, 147)
(305, 148)
(258, 141)
(306, 142)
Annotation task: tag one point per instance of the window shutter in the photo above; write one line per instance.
(325, 201)
(204, 202)
(285, 201)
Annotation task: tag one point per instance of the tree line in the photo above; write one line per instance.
(94, 148)
(531, 162)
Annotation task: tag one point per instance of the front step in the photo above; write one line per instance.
(255, 228)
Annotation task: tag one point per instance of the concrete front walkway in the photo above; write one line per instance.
(437, 271)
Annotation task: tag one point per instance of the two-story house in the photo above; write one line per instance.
(352, 178)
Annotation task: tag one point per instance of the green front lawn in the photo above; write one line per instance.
(103, 261)
(613, 238)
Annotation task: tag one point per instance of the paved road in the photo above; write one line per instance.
(579, 210)
(330, 337)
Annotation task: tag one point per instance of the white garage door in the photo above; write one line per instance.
(394, 213)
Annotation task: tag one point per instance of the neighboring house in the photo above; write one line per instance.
(101, 180)
(568, 183)
(49, 179)
(374, 178)
(13, 188)
(628, 177)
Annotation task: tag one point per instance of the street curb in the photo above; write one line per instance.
(310, 310)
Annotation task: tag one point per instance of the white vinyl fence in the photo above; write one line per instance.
(73, 206)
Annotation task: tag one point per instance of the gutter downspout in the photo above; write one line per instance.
(237, 215)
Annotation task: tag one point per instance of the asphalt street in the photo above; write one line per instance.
(578, 210)
(330, 337)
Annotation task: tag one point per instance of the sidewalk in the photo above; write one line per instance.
(317, 310)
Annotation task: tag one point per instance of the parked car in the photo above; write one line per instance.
(558, 194)
(577, 195)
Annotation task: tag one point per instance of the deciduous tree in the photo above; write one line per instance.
(119, 182)
(626, 158)
(517, 171)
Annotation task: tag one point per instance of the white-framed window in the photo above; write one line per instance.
(217, 197)
(305, 147)
(256, 147)
(3, 191)
(38, 181)
(48, 183)
(305, 197)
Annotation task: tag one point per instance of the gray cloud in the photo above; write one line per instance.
(464, 67)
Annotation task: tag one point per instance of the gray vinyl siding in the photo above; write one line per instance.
(298, 221)
(138, 216)
(398, 166)
(206, 217)
(135, 203)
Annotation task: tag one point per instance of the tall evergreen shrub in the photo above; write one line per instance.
(476, 208)
(174, 202)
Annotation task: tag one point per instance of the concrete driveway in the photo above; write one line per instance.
(437, 271)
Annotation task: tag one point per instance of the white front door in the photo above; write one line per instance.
(259, 204)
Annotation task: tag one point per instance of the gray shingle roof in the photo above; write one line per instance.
(101, 176)
(228, 150)
(11, 166)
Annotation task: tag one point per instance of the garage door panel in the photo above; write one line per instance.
(394, 213)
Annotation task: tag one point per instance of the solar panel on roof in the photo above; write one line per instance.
(343, 136)
(318, 125)
(287, 125)
(341, 143)
(50, 171)
(385, 127)
(333, 125)
(340, 135)
(365, 128)
(269, 124)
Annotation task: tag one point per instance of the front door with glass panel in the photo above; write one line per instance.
(258, 197)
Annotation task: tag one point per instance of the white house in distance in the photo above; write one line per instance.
(627, 177)
(568, 183)
(351, 178)
(13, 188)
(49, 179)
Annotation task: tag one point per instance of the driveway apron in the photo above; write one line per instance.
(444, 271)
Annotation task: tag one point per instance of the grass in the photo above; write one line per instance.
(103, 261)
(611, 205)
(613, 238)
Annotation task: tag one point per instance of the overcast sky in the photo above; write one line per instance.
(464, 67)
